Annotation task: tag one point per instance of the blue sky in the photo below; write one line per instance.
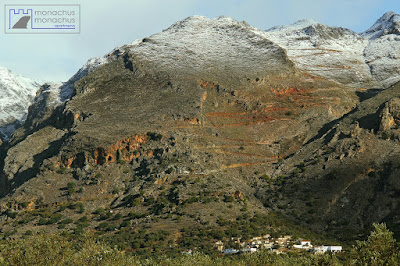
(108, 24)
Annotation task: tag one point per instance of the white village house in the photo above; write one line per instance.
(304, 244)
(323, 249)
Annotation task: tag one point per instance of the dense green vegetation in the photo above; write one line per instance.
(42, 249)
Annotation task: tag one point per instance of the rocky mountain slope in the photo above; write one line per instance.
(208, 125)
(17, 93)
(346, 176)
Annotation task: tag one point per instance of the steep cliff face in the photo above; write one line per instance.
(51, 97)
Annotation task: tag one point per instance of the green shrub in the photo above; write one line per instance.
(169, 170)
(54, 219)
(117, 216)
(66, 221)
(110, 227)
(154, 136)
(62, 170)
(372, 174)
(265, 177)
(28, 233)
(289, 113)
(72, 206)
(81, 207)
(24, 204)
(99, 175)
(44, 249)
(61, 226)
(42, 221)
(228, 198)
(386, 135)
(124, 224)
(25, 220)
(71, 188)
(105, 215)
(71, 185)
(10, 214)
(77, 231)
(83, 219)
(99, 211)
(133, 215)
(102, 226)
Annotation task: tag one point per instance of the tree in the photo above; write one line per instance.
(71, 188)
(379, 249)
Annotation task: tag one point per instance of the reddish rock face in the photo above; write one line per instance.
(290, 91)
(122, 150)
(207, 84)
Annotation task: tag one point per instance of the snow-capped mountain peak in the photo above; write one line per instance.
(382, 52)
(197, 44)
(333, 52)
(389, 23)
(298, 25)
(16, 94)
(199, 22)
(306, 22)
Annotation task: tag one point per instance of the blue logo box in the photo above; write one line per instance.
(42, 19)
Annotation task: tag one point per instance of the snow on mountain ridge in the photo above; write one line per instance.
(198, 44)
(56, 94)
(369, 59)
(298, 25)
(332, 52)
(389, 23)
(198, 22)
(382, 52)
(17, 93)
